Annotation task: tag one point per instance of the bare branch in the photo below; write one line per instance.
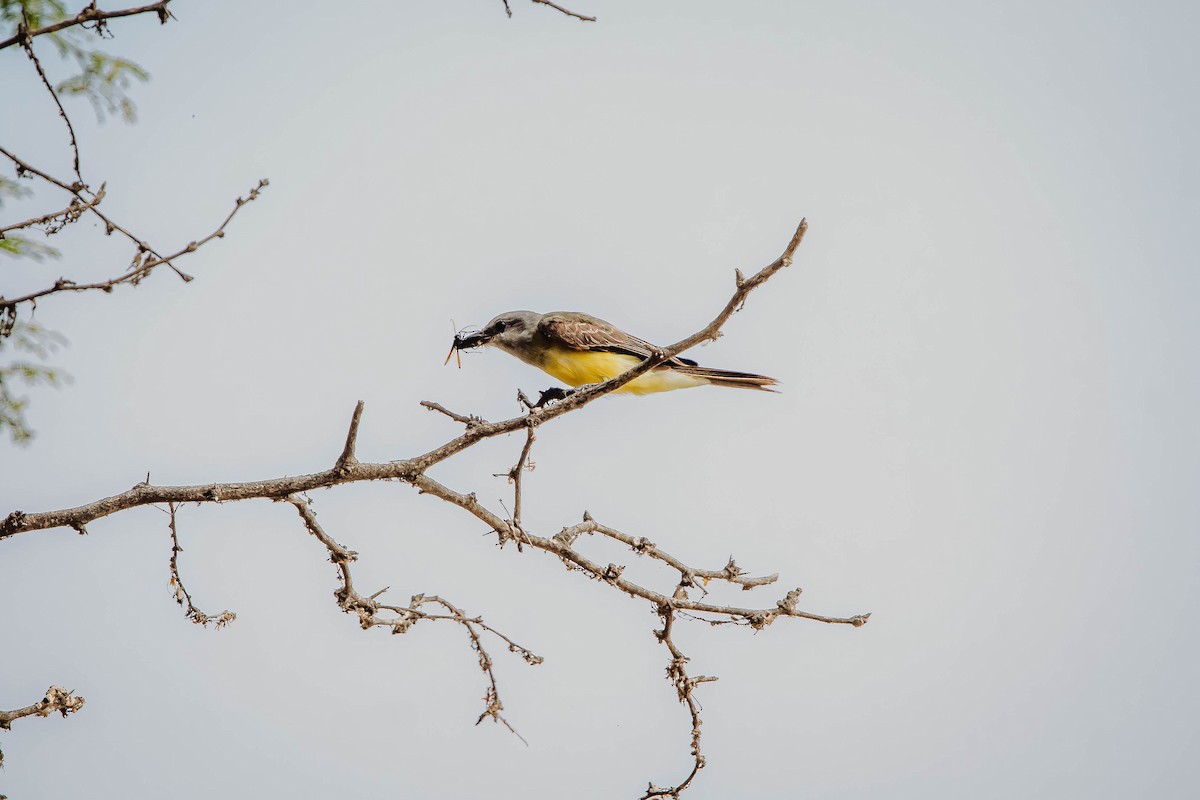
(192, 247)
(555, 6)
(684, 687)
(514, 477)
(65, 217)
(561, 546)
(89, 14)
(145, 259)
(469, 420)
(182, 597)
(688, 575)
(27, 44)
(57, 699)
(368, 609)
(569, 13)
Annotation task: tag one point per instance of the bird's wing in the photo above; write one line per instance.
(584, 332)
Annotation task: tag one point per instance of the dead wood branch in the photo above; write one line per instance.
(57, 699)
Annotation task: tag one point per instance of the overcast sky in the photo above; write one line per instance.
(986, 436)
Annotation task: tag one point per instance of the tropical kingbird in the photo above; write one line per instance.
(578, 348)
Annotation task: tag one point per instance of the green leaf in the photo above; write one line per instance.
(104, 80)
(26, 337)
(22, 247)
(12, 190)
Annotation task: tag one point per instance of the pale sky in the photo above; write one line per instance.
(986, 435)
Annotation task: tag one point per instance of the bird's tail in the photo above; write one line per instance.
(725, 377)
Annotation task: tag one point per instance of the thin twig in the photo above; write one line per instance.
(68, 215)
(568, 12)
(561, 546)
(145, 259)
(470, 420)
(404, 617)
(643, 546)
(27, 45)
(684, 687)
(182, 597)
(516, 473)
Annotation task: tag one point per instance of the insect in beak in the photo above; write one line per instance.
(466, 341)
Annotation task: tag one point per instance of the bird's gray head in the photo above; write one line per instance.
(508, 331)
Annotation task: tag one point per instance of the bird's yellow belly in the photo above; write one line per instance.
(575, 367)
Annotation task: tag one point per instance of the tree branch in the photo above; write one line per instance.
(57, 699)
(27, 45)
(404, 617)
(145, 258)
(182, 597)
(555, 6)
(514, 477)
(89, 14)
(469, 420)
(684, 687)
(561, 546)
(687, 575)
(68, 215)
(559, 8)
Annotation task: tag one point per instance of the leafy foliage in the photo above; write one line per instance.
(12, 190)
(103, 80)
(32, 340)
(24, 247)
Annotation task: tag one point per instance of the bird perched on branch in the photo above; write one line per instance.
(578, 348)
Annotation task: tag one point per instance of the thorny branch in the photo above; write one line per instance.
(413, 471)
(404, 617)
(182, 597)
(684, 688)
(27, 45)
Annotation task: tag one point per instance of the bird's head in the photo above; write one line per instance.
(507, 331)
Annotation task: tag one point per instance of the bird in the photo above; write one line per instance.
(577, 349)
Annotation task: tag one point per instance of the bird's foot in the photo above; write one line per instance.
(553, 394)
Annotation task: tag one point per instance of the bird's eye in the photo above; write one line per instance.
(502, 324)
